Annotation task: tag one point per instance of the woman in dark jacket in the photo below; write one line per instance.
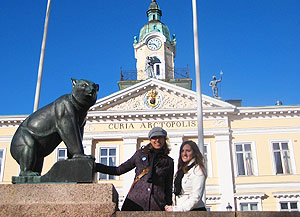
(154, 189)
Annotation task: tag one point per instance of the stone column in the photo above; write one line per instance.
(175, 143)
(130, 144)
(225, 171)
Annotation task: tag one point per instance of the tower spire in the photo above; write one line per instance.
(154, 12)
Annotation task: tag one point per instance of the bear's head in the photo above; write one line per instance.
(85, 92)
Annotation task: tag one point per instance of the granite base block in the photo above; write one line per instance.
(78, 170)
(58, 200)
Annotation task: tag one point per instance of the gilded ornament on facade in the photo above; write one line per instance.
(153, 99)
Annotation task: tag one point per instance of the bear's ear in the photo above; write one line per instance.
(97, 87)
(74, 82)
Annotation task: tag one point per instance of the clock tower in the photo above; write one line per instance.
(154, 50)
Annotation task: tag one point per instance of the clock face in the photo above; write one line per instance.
(154, 44)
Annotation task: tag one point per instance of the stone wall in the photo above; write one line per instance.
(87, 200)
(58, 200)
(208, 214)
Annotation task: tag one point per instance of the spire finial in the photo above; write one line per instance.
(154, 11)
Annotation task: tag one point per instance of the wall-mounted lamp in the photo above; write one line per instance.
(228, 207)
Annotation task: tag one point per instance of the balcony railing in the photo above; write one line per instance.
(131, 75)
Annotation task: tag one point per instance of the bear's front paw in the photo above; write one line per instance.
(29, 173)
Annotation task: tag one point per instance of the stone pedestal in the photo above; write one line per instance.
(58, 200)
(78, 170)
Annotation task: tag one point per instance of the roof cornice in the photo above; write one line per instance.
(12, 120)
(268, 111)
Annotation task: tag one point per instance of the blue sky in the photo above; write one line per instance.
(254, 42)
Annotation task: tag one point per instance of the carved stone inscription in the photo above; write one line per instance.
(150, 125)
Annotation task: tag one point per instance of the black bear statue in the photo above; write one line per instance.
(60, 121)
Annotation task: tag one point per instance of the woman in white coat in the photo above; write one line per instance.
(189, 183)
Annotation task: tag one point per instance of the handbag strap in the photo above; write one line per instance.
(144, 172)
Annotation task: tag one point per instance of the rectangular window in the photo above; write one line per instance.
(61, 154)
(282, 157)
(107, 157)
(288, 206)
(157, 70)
(207, 157)
(244, 159)
(248, 206)
(205, 152)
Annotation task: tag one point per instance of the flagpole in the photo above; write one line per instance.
(41, 64)
(198, 81)
(198, 86)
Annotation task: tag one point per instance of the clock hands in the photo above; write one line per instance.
(154, 44)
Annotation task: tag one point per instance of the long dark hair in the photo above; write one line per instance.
(199, 159)
(165, 149)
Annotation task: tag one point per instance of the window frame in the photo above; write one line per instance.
(289, 206)
(209, 161)
(98, 159)
(248, 206)
(287, 197)
(249, 198)
(291, 152)
(2, 163)
(57, 152)
(253, 154)
(157, 69)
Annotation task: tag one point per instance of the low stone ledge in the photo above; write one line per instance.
(267, 214)
(58, 200)
(208, 214)
(179, 214)
(88, 200)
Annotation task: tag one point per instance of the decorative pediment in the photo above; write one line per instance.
(153, 94)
